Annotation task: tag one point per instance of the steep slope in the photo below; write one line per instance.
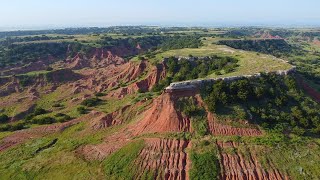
(163, 117)
(237, 166)
(165, 158)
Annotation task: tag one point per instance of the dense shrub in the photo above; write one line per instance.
(39, 111)
(271, 100)
(44, 120)
(91, 102)
(275, 47)
(99, 94)
(12, 127)
(205, 166)
(60, 117)
(4, 118)
(186, 69)
(82, 110)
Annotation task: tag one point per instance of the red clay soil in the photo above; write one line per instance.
(165, 157)
(160, 117)
(23, 135)
(107, 120)
(266, 35)
(316, 41)
(220, 129)
(101, 79)
(236, 166)
(100, 58)
(77, 62)
(163, 117)
(156, 74)
(308, 89)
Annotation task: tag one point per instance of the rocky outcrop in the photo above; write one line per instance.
(196, 84)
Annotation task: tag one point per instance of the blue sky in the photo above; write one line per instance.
(42, 13)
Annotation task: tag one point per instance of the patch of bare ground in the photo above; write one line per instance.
(236, 166)
(154, 76)
(166, 158)
(110, 77)
(163, 117)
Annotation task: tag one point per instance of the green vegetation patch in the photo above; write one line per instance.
(91, 102)
(193, 68)
(120, 165)
(276, 47)
(274, 102)
(196, 113)
(205, 162)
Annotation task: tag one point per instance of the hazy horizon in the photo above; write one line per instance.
(36, 14)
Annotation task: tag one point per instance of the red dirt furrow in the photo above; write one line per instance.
(236, 166)
(165, 157)
(220, 129)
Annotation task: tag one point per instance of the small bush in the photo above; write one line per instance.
(141, 58)
(99, 94)
(49, 69)
(44, 120)
(91, 102)
(60, 117)
(13, 127)
(57, 105)
(39, 111)
(82, 110)
(4, 118)
(204, 166)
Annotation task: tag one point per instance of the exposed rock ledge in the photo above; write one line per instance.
(195, 84)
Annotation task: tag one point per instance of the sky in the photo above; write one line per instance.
(102, 13)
